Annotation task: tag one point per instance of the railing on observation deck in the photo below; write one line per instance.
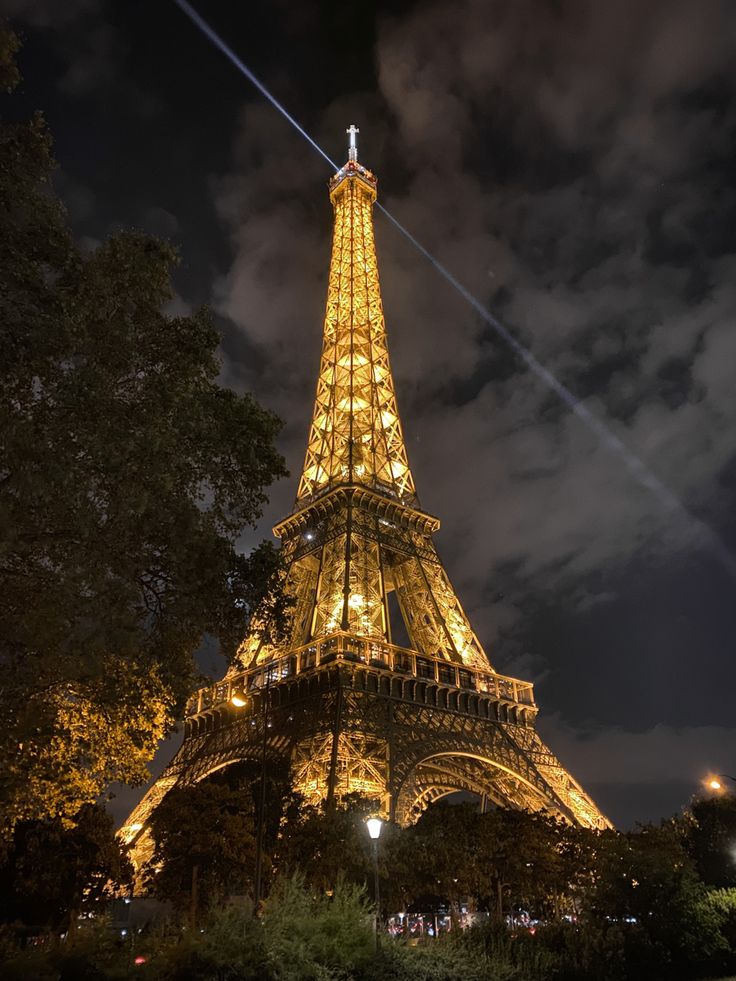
(375, 654)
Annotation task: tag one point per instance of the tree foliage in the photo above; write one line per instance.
(506, 860)
(126, 475)
(328, 843)
(205, 835)
(711, 839)
(642, 910)
(204, 845)
(51, 873)
(315, 936)
(645, 879)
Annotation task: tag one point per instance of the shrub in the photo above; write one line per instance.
(229, 947)
(317, 937)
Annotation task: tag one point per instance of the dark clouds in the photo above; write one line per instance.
(47, 13)
(573, 264)
(571, 164)
(567, 165)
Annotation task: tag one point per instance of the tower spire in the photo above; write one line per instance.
(356, 436)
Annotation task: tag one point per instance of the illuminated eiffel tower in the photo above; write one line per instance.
(347, 709)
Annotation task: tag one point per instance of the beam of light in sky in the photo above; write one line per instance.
(634, 465)
(218, 42)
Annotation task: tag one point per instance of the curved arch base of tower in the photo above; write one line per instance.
(348, 715)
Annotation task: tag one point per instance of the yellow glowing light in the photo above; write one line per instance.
(238, 698)
(352, 361)
(715, 784)
(356, 600)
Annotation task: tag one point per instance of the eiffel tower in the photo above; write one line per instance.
(346, 708)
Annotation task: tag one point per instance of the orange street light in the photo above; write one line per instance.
(238, 698)
(716, 781)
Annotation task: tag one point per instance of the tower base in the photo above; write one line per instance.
(348, 715)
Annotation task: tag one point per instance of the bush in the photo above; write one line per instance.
(94, 953)
(437, 960)
(229, 947)
(317, 937)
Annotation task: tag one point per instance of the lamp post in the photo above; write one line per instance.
(240, 699)
(374, 826)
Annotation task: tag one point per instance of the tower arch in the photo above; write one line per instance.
(441, 773)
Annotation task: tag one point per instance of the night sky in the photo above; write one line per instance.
(573, 164)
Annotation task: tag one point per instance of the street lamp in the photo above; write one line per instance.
(238, 698)
(374, 825)
(715, 782)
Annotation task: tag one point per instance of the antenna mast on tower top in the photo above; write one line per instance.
(352, 132)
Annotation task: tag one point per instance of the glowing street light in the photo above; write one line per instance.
(238, 698)
(716, 781)
(375, 825)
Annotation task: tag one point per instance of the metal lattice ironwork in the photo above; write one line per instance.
(345, 708)
(356, 433)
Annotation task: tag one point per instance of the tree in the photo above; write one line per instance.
(327, 843)
(441, 852)
(518, 859)
(51, 873)
(645, 879)
(126, 475)
(230, 946)
(505, 860)
(204, 845)
(711, 839)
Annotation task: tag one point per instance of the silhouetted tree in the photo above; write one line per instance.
(126, 475)
(204, 846)
(646, 880)
(52, 872)
(711, 839)
(328, 842)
